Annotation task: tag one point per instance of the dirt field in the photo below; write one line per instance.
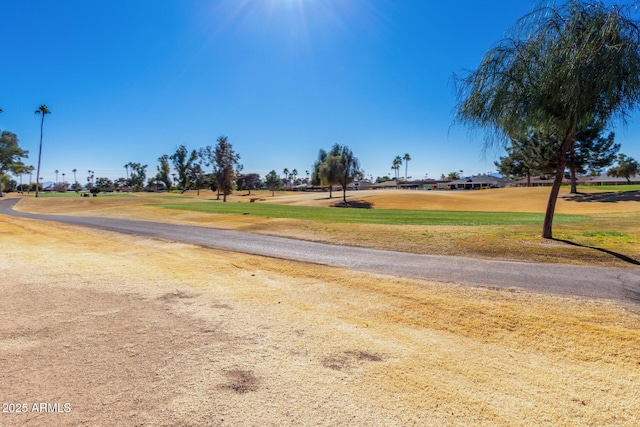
(121, 330)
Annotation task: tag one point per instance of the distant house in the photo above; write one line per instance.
(609, 180)
(478, 182)
(547, 181)
(423, 184)
(385, 185)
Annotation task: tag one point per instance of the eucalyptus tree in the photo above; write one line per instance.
(164, 171)
(272, 181)
(559, 68)
(197, 177)
(43, 110)
(226, 165)
(182, 162)
(10, 155)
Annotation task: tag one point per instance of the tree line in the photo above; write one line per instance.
(215, 167)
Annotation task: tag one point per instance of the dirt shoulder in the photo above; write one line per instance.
(132, 331)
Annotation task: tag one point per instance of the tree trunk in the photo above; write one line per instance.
(39, 156)
(547, 228)
(572, 170)
(528, 179)
(344, 194)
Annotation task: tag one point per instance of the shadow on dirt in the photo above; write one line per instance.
(606, 251)
(606, 197)
(361, 204)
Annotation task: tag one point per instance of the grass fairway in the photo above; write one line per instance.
(375, 216)
(600, 227)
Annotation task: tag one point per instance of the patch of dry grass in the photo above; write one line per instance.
(167, 333)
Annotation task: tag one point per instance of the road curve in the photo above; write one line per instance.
(621, 285)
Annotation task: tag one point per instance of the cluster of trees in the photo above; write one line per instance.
(336, 166)
(11, 156)
(534, 152)
(563, 71)
(190, 171)
(397, 163)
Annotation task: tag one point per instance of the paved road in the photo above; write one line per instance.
(622, 285)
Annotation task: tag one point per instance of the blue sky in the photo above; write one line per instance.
(128, 81)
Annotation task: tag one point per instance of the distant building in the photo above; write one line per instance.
(479, 182)
(609, 180)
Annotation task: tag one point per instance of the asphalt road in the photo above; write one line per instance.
(621, 285)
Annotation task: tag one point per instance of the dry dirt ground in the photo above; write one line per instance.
(119, 330)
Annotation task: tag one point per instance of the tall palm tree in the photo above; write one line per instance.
(406, 159)
(56, 171)
(396, 166)
(42, 110)
(74, 175)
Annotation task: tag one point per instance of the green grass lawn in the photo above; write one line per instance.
(608, 187)
(373, 216)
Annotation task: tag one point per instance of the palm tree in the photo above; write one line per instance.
(397, 162)
(74, 175)
(42, 110)
(406, 159)
(294, 173)
(63, 174)
(285, 172)
(56, 171)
